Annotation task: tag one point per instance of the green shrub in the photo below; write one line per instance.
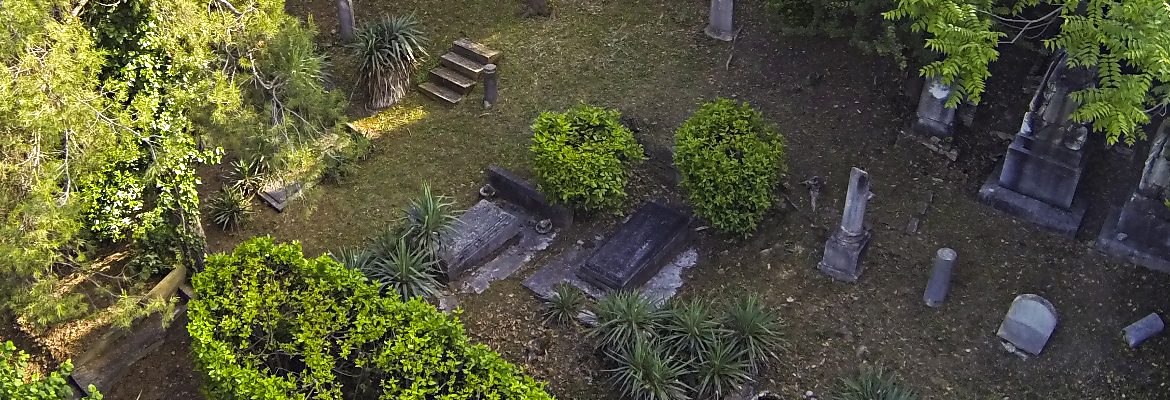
(388, 52)
(566, 303)
(112, 201)
(16, 384)
(583, 157)
(721, 369)
(248, 176)
(873, 384)
(647, 371)
(267, 323)
(755, 331)
(430, 220)
(622, 317)
(230, 208)
(731, 161)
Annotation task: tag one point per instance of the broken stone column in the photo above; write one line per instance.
(1038, 179)
(940, 277)
(1143, 329)
(1029, 323)
(720, 25)
(934, 117)
(1137, 231)
(847, 245)
(345, 20)
(491, 86)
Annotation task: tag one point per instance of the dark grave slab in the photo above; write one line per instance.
(516, 190)
(564, 268)
(278, 198)
(511, 259)
(636, 251)
(479, 233)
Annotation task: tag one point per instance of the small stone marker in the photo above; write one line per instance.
(1029, 323)
(1143, 329)
(491, 86)
(934, 117)
(940, 277)
(480, 231)
(721, 19)
(845, 248)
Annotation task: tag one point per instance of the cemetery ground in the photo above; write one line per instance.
(838, 108)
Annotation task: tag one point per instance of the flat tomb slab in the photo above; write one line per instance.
(636, 251)
(520, 192)
(479, 233)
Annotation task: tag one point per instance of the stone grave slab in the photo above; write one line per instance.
(518, 191)
(510, 259)
(659, 288)
(479, 233)
(278, 198)
(1029, 323)
(637, 249)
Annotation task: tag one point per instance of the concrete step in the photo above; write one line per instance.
(462, 65)
(440, 93)
(476, 52)
(452, 80)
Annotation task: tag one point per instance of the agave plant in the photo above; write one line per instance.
(623, 317)
(874, 384)
(566, 302)
(388, 52)
(647, 371)
(430, 220)
(405, 269)
(230, 208)
(248, 176)
(755, 330)
(357, 259)
(722, 369)
(690, 328)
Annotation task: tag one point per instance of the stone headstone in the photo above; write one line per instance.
(520, 192)
(934, 118)
(278, 198)
(940, 277)
(1143, 329)
(638, 248)
(479, 233)
(721, 20)
(847, 245)
(1138, 230)
(1029, 323)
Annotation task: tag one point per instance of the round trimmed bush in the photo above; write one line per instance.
(583, 157)
(731, 161)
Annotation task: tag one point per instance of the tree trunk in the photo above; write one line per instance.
(345, 19)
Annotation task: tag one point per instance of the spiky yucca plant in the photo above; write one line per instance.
(755, 330)
(248, 175)
(358, 259)
(230, 208)
(405, 269)
(648, 371)
(874, 384)
(388, 52)
(722, 368)
(623, 317)
(430, 219)
(689, 328)
(566, 302)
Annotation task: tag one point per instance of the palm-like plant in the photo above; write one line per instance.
(248, 176)
(388, 51)
(566, 302)
(755, 330)
(357, 259)
(874, 384)
(430, 220)
(722, 369)
(647, 371)
(405, 269)
(230, 208)
(689, 328)
(623, 317)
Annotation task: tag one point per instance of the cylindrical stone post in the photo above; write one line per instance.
(940, 277)
(853, 219)
(1143, 329)
(720, 23)
(491, 86)
(345, 20)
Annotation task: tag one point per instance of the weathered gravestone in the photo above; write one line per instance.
(278, 198)
(636, 251)
(934, 118)
(847, 245)
(721, 19)
(518, 191)
(1029, 323)
(1140, 230)
(1038, 178)
(479, 233)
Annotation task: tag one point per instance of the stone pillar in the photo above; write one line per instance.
(345, 20)
(847, 245)
(1137, 231)
(721, 19)
(1143, 329)
(940, 277)
(491, 86)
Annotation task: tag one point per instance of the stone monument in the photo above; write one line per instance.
(1038, 178)
(847, 245)
(638, 249)
(1139, 231)
(345, 20)
(934, 117)
(491, 86)
(1029, 323)
(721, 19)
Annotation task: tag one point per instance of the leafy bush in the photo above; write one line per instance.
(755, 330)
(566, 303)
(388, 52)
(647, 371)
(874, 384)
(583, 156)
(230, 208)
(622, 317)
(112, 202)
(267, 323)
(16, 384)
(341, 161)
(731, 161)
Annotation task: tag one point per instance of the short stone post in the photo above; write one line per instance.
(1143, 329)
(845, 248)
(940, 277)
(720, 25)
(491, 86)
(345, 20)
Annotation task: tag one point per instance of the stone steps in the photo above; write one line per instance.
(463, 65)
(475, 51)
(458, 71)
(440, 93)
(452, 80)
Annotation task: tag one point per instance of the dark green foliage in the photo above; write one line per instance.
(355, 259)
(230, 208)
(267, 323)
(690, 327)
(583, 157)
(566, 303)
(15, 383)
(388, 52)
(248, 176)
(873, 384)
(721, 369)
(429, 221)
(731, 161)
(754, 330)
(646, 370)
(623, 317)
(406, 269)
(858, 20)
(112, 202)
